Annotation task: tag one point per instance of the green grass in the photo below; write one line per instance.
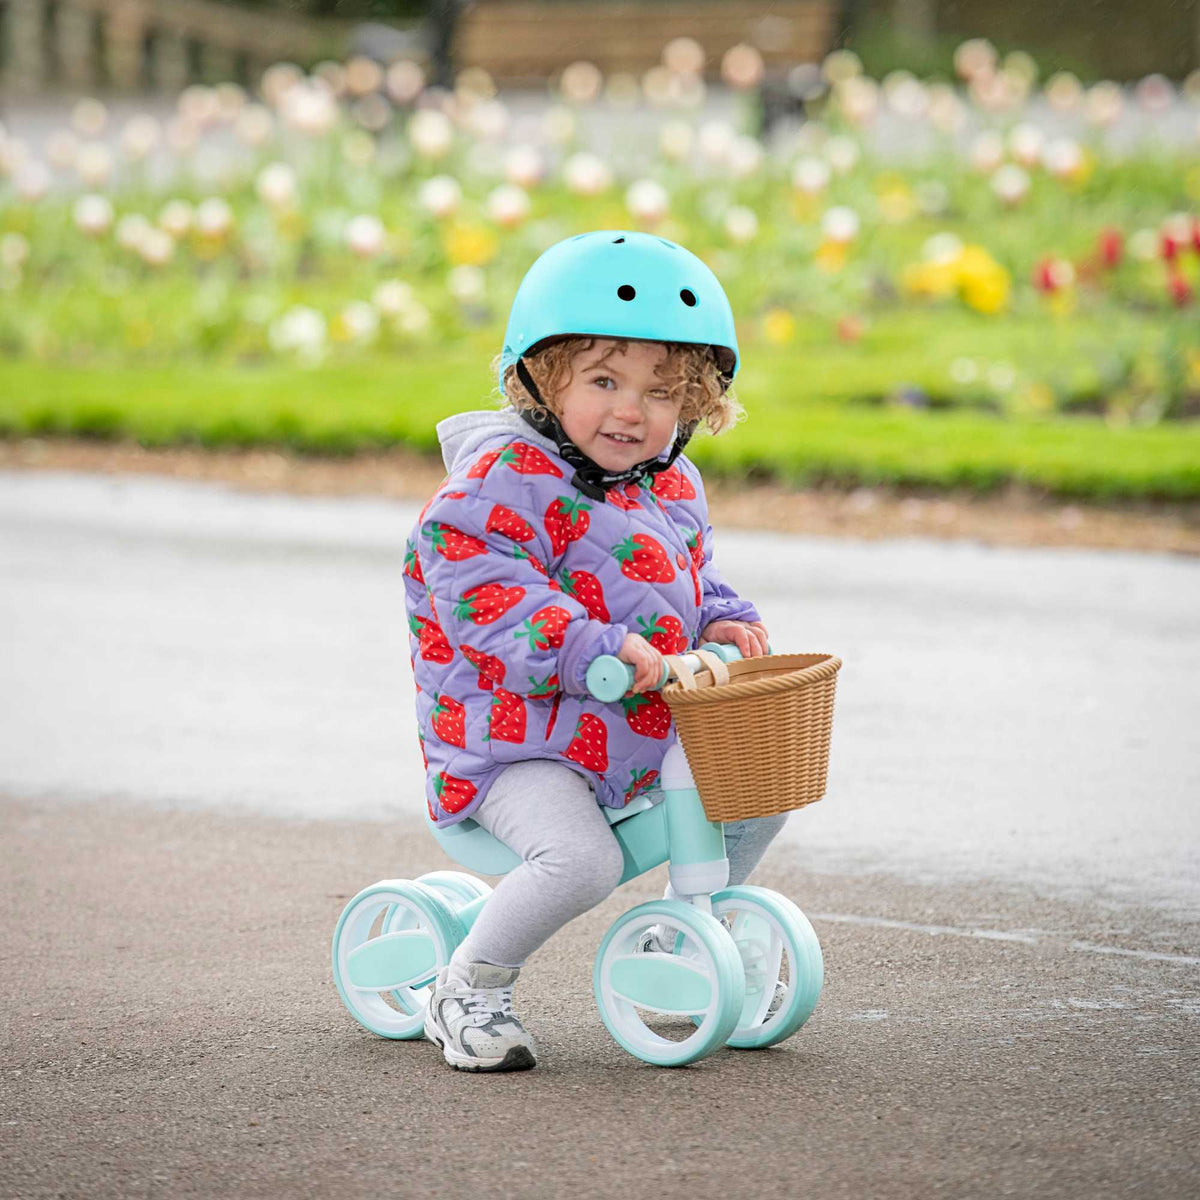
(801, 426)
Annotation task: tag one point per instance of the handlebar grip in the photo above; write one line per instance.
(608, 678)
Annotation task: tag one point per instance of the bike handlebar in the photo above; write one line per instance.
(608, 678)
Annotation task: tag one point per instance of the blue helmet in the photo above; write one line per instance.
(617, 284)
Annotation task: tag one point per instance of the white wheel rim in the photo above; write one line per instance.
(762, 960)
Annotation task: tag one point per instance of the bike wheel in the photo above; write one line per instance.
(703, 985)
(456, 887)
(389, 944)
(775, 942)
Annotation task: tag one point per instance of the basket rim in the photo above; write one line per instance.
(819, 672)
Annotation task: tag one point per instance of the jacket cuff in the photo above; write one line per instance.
(584, 641)
(732, 608)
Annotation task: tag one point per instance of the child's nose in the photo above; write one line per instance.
(628, 407)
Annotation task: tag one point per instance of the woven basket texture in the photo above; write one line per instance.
(759, 744)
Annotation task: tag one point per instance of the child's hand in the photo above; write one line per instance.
(645, 660)
(750, 637)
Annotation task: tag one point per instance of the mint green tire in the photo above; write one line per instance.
(389, 944)
(704, 981)
(774, 939)
(455, 887)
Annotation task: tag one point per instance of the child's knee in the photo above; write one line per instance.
(591, 871)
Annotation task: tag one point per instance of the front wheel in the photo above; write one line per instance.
(696, 994)
(776, 943)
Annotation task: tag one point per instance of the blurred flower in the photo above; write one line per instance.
(254, 125)
(1179, 289)
(466, 283)
(214, 218)
(933, 197)
(358, 148)
(840, 224)
(156, 247)
(14, 251)
(742, 67)
(299, 331)
(942, 248)
(906, 94)
(1021, 65)
(1011, 184)
(431, 133)
(276, 186)
(1144, 245)
(581, 82)
(131, 230)
(508, 206)
(231, 99)
(858, 99)
(647, 200)
(94, 164)
(946, 111)
(198, 104)
(182, 135)
(279, 79)
(1176, 236)
(440, 195)
(975, 57)
(983, 283)
(987, 151)
(558, 125)
(366, 236)
(372, 112)
(524, 166)
(488, 120)
(93, 214)
(841, 65)
(1063, 91)
(363, 75)
(393, 297)
(894, 198)
(810, 176)
(850, 327)
(309, 108)
(745, 157)
(1109, 247)
(1155, 93)
(31, 180)
(472, 84)
(140, 136)
(779, 326)
(716, 138)
(1063, 158)
(741, 224)
(1104, 103)
(332, 75)
(358, 322)
(1053, 274)
(176, 217)
(684, 55)
(587, 175)
(1026, 141)
(414, 320)
(89, 117)
(842, 153)
(469, 245)
(952, 268)
(675, 139)
(964, 371)
(62, 149)
(405, 81)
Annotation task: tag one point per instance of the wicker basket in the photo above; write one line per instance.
(756, 732)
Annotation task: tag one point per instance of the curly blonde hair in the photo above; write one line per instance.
(689, 371)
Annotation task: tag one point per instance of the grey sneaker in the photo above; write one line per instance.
(474, 1025)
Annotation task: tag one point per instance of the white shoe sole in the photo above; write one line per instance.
(516, 1058)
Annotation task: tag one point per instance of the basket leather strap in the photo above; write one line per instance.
(679, 669)
(715, 664)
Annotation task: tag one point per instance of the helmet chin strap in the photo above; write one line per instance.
(590, 478)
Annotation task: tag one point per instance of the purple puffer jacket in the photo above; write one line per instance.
(515, 581)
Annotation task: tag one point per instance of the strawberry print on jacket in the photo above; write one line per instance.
(514, 581)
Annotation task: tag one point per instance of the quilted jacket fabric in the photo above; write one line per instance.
(515, 581)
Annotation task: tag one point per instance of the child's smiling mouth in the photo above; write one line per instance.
(622, 439)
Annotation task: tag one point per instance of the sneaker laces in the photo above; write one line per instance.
(482, 1006)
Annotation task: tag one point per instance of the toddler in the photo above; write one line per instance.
(569, 526)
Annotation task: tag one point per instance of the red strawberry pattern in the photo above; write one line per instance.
(643, 558)
(695, 545)
(528, 460)
(589, 747)
(483, 464)
(453, 794)
(509, 524)
(621, 500)
(412, 564)
(452, 543)
(491, 669)
(543, 687)
(449, 721)
(433, 646)
(639, 781)
(487, 602)
(507, 720)
(546, 628)
(664, 633)
(566, 521)
(585, 587)
(532, 559)
(647, 714)
(673, 484)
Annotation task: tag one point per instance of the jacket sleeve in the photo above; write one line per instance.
(484, 571)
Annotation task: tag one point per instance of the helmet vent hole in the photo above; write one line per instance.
(626, 292)
(616, 240)
(688, 297)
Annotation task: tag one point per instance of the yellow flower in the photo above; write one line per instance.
(986, 292)
(779, 326)
(937, 280)
(830, 256)
(469, 245)
(895, 199)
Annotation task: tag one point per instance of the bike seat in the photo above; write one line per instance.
(473, 847)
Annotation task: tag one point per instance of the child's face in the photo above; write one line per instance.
(619, 413)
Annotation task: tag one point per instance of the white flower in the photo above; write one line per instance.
(14, 250)
(1155, 93)
(1143, 245)
(987, 151)
(843, 153)
(1026, 141)
(1002, 376)
(363, 75)
(684, 55)
(299, 331)
(182, 135)
(647, 200)
(360, 321)
(276, 186)
(140, 136)
(431, 133)
(278, 79)
(716, 138)
(524, 166)
(366, 236)
(358, 148)
(906, 94)
(946, 111)
(1062, 157)
(1063, 91)
(214, 217)
(964, 370)
(62, 148)
(675, 139)
(1104, 103)
(508, 206)
(372, 112)
(581, 82)
(942, 248)
(858, 98)
(741, 224)
(440, 195)
(1010, 183)
(89, 117)
(976, 56)
(932, 197)
(309, 108)
(487, 120)
(587, 175)
(415, 319)
(840, 65)
(840, 224)
(94, 164)
(131, 231)
(14, 154)
(742, 66)
(254, 125)
(405, 81)
(466, 283)
(231, 99)
(176, 218)
(32, 180)
(810, 176)
(745, 157)
(93, 214)
(156, 248)
(559, 125)
(198, 104)
(393, 297)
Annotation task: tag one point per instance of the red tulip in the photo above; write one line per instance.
(1168, 247)
(1196, 234)
(1111, 245)
(1181, 292)
(1053, 273)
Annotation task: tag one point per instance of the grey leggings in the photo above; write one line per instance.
(548, 815)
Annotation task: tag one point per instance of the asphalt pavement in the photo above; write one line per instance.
(207, 747)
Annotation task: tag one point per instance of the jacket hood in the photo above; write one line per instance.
(462, 434)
